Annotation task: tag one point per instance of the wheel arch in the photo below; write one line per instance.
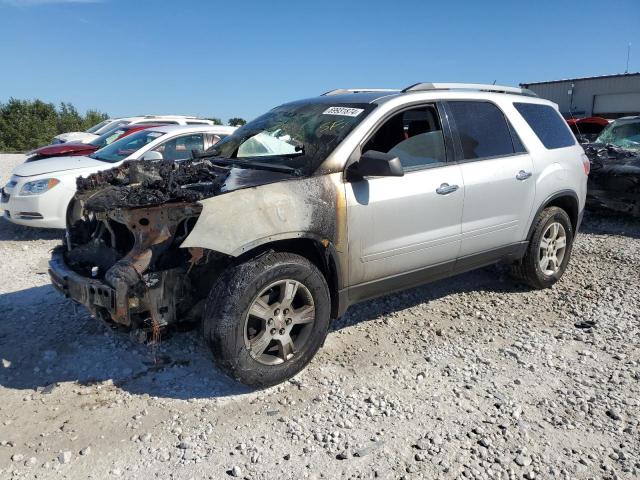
(320, 252)
(564, 199)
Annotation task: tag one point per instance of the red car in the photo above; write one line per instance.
(587, 129)
(75, 149)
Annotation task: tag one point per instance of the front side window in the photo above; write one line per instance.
(621, 133)
(180, 148)
(547, 124)
(298, 135)
(415, 136)
(121, 149)
(482, 129)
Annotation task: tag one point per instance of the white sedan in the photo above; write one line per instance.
(112, 123)
(38, 193)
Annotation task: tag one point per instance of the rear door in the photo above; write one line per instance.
(498, 176)
(402, 224)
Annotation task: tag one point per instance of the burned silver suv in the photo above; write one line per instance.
(319, 204)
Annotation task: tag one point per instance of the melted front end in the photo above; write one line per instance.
(122, 257)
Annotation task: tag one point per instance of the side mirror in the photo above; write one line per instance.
(376, 164)
(152, 155)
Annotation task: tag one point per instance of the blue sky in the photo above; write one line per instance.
(231, 58)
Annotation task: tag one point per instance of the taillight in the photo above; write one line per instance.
(586, 164)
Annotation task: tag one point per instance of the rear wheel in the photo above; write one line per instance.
(266, 318)
(548, 251)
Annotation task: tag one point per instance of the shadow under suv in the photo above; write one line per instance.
(322, 203)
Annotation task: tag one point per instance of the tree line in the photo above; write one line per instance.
(28, 124)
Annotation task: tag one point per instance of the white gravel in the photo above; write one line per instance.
(471, 377)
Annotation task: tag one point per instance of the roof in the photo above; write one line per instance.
(380, 95)
(631, 118)
(599, 77)
(194, 129)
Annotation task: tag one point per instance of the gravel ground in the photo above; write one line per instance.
(471, 377)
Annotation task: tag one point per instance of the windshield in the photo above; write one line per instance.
(297, 135)
(121, 149)
(621, 134)
(107, 138)
(110, 126)
(98, 126)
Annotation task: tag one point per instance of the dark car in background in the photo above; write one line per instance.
(614, 181)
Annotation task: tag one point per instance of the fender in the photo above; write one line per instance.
(549, 200)
(241, 220)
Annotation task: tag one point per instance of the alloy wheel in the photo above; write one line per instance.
(279, 322)
(553, 246)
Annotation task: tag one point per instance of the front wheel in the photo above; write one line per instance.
(266, 318)
(548, 251)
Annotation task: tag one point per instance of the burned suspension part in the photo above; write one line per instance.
(153, 229)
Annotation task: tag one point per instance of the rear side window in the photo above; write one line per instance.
(483, 130)
(547, 124)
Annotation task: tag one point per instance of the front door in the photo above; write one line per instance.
(398, 225)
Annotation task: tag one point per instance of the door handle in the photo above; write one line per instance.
(445, 189)
(522, 175)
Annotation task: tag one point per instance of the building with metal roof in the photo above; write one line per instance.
(609, 96)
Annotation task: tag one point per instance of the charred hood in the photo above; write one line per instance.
(141, 183)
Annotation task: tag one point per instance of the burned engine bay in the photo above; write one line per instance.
(124, 238)
(614, 180)
(147, 239)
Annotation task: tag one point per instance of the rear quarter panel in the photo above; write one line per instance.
(554, 170)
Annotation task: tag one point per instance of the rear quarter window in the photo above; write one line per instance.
(547, 124)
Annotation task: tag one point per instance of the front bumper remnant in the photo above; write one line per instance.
(89, 292)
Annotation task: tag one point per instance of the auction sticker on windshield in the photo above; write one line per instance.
(344, 111)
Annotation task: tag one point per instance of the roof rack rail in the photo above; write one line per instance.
(171, 116)
(339, 91)
(479, 87)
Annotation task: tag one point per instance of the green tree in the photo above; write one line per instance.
(237, 121)
(28, 124)
(69, 120)
(215, 120)
(93, 117)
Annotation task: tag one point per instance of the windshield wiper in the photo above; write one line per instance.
(234, 162)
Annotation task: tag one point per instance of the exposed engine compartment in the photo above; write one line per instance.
(126, 229)
(614, 180)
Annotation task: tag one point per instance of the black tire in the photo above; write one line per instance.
(529, 270)
(227, 307)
